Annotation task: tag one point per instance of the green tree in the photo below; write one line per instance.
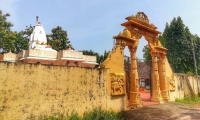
(58, 39)
(9, 40)
(100, 58)
(56, 44)
(20, 43)
(146, 53)
(177, 38)
(196, 47)
(105, 54)
(5, 29)
(14, 42)
(178, 43)
(27, 32)
(162, 38)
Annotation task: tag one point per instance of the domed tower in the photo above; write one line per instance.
(38, 38)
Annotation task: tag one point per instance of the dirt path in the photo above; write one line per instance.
(166, 111)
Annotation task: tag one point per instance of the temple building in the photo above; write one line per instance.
(38, 38)
(144, 75)
(40, 52)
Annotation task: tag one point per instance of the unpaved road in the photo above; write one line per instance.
(166, 111)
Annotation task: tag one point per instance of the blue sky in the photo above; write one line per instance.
(92, 24)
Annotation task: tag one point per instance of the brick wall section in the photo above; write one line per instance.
(29, 90)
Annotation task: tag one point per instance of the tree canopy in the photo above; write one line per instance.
(100, 58)
(178, 39)
(146, 53)
(58, 39)
(9, 40)
(27, 32)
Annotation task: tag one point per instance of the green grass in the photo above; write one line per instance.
(95, 114)
(189, 100)
(98, 114)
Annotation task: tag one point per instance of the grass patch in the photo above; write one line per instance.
(98, 114)
(95, 114)
(189, 100)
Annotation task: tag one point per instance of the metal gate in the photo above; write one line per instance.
(127, 69)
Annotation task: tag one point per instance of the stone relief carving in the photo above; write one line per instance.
(172, 83)
(117, 84)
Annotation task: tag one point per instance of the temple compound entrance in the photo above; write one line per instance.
(136, 27)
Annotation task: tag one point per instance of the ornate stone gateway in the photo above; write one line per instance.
(136, 27)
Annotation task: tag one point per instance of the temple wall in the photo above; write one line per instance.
(70, 54)
(9, 57)
(89, 58)
(178, 85)
(115, 60)
(115, 64)
(181, 87)
(41, 53)
(30, 90)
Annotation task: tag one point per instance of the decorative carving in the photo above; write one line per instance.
(117, 83)
(172, 83)
(40, 43)
(142, 17)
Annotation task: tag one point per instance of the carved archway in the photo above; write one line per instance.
(136, 27)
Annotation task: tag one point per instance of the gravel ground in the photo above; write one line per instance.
(166, 111)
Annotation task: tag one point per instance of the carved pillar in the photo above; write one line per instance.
(156, 93)
(162, 75)
(135, 99)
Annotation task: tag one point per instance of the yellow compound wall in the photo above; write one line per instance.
(31, 90)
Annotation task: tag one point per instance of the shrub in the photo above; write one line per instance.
(95, 114)
(189, 100)
(73, 116)
(98, 114)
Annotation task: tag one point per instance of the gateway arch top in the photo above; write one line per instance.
(140, 20)
(142, 17)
